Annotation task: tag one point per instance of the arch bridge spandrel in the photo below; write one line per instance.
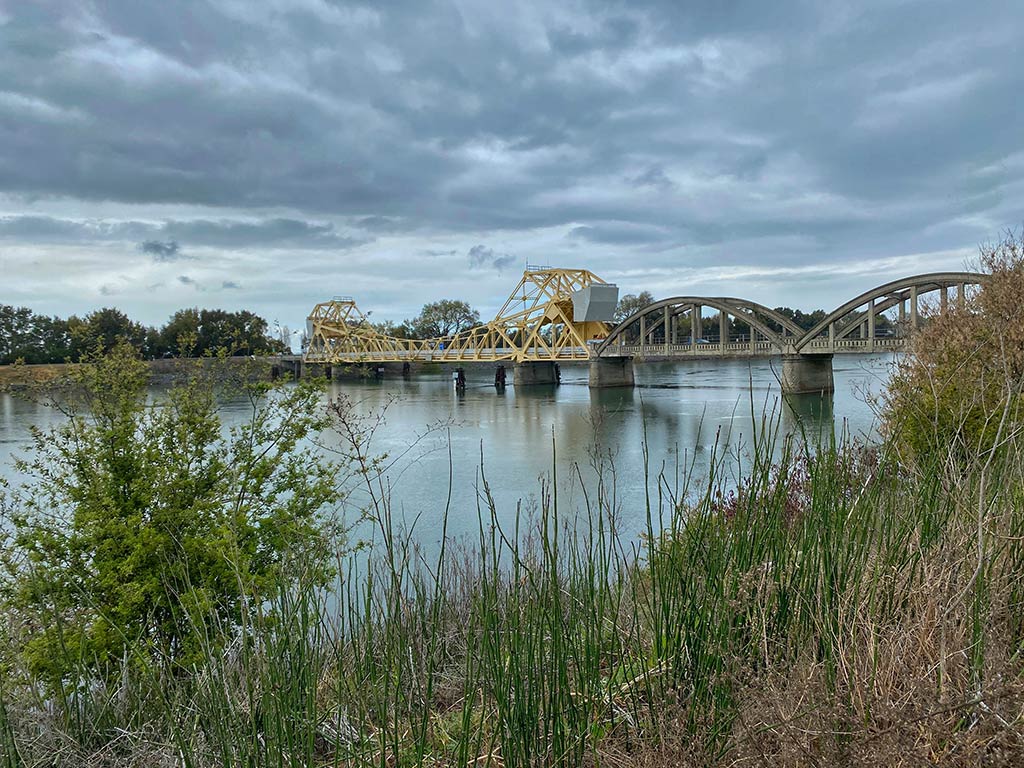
(675, 327)
(852, 327)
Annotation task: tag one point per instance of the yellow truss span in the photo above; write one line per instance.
(536, 323)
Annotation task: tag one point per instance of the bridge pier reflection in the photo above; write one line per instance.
(807, 374)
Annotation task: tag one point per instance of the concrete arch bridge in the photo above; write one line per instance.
(561, 315)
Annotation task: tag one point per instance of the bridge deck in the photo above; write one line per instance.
(732, 349)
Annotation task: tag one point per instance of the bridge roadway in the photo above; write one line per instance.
(668, 329)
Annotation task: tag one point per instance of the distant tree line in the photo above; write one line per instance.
(34, 338)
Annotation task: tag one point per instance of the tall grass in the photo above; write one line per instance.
(832, 604)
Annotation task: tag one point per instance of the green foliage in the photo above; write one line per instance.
(438, 319)
(189, 332)
(443, 318)
(105, 328)
(960, 395)
(33, 338)
(143, 524)
(808, 320)
(395, 330)
(197, 332)
(632, 303)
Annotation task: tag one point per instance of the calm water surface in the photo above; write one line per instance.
(531, 434)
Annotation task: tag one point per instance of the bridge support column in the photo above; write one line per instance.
(871, 325)
(611, 372)
(803, 374)
(536, 372)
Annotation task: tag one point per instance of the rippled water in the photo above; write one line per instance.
(523, 435)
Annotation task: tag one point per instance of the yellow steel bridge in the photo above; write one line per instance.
(557, 315)
(549, 316)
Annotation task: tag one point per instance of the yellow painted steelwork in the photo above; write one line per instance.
(536, 323)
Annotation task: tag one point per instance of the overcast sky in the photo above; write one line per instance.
(270, 154)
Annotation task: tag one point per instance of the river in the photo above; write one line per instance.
(524, 435)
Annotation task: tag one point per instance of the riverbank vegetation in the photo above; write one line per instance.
(32, 338)
(842, 604)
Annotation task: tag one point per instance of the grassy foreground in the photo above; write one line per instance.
(840, 608)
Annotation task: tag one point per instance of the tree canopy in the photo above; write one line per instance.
(632, 303)
(444, 318)
(33, 338)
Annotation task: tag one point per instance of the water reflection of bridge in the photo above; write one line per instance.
(562, 315)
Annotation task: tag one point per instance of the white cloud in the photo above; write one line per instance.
(23, 107)
(919, 100)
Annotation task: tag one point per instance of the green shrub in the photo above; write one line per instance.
(959, 394)
(142, 523)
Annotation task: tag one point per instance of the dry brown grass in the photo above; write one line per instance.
(22, 376)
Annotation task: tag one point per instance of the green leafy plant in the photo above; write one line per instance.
(143, 522)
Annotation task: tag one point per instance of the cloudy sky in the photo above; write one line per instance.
(269, 154)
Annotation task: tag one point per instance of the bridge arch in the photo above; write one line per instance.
(759, 318)
(861, 312)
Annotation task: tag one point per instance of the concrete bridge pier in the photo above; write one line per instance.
(611, 372)
(535, 372)
(804, 374)
(290, 366)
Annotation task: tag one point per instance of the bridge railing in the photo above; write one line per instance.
(682, 350)
(482, 354)
(760, 347)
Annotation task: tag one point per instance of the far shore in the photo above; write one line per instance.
(25, 376)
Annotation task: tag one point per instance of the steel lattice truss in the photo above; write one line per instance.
(536, 323)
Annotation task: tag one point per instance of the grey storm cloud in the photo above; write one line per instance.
(482, 256)
(190, 282)
(619, 234)
(162, 250)
(636, 136)
(163, 239)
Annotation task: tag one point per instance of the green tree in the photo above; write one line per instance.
(33, 338)
(443, 318)
(195, 332)
(631, 304)
(180, 335)
(393, 329)
(143, 525)
(15, 333)
(104, 328)
(805, 320)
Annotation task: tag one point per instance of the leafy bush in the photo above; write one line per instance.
(958, 395)
(142, 523)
